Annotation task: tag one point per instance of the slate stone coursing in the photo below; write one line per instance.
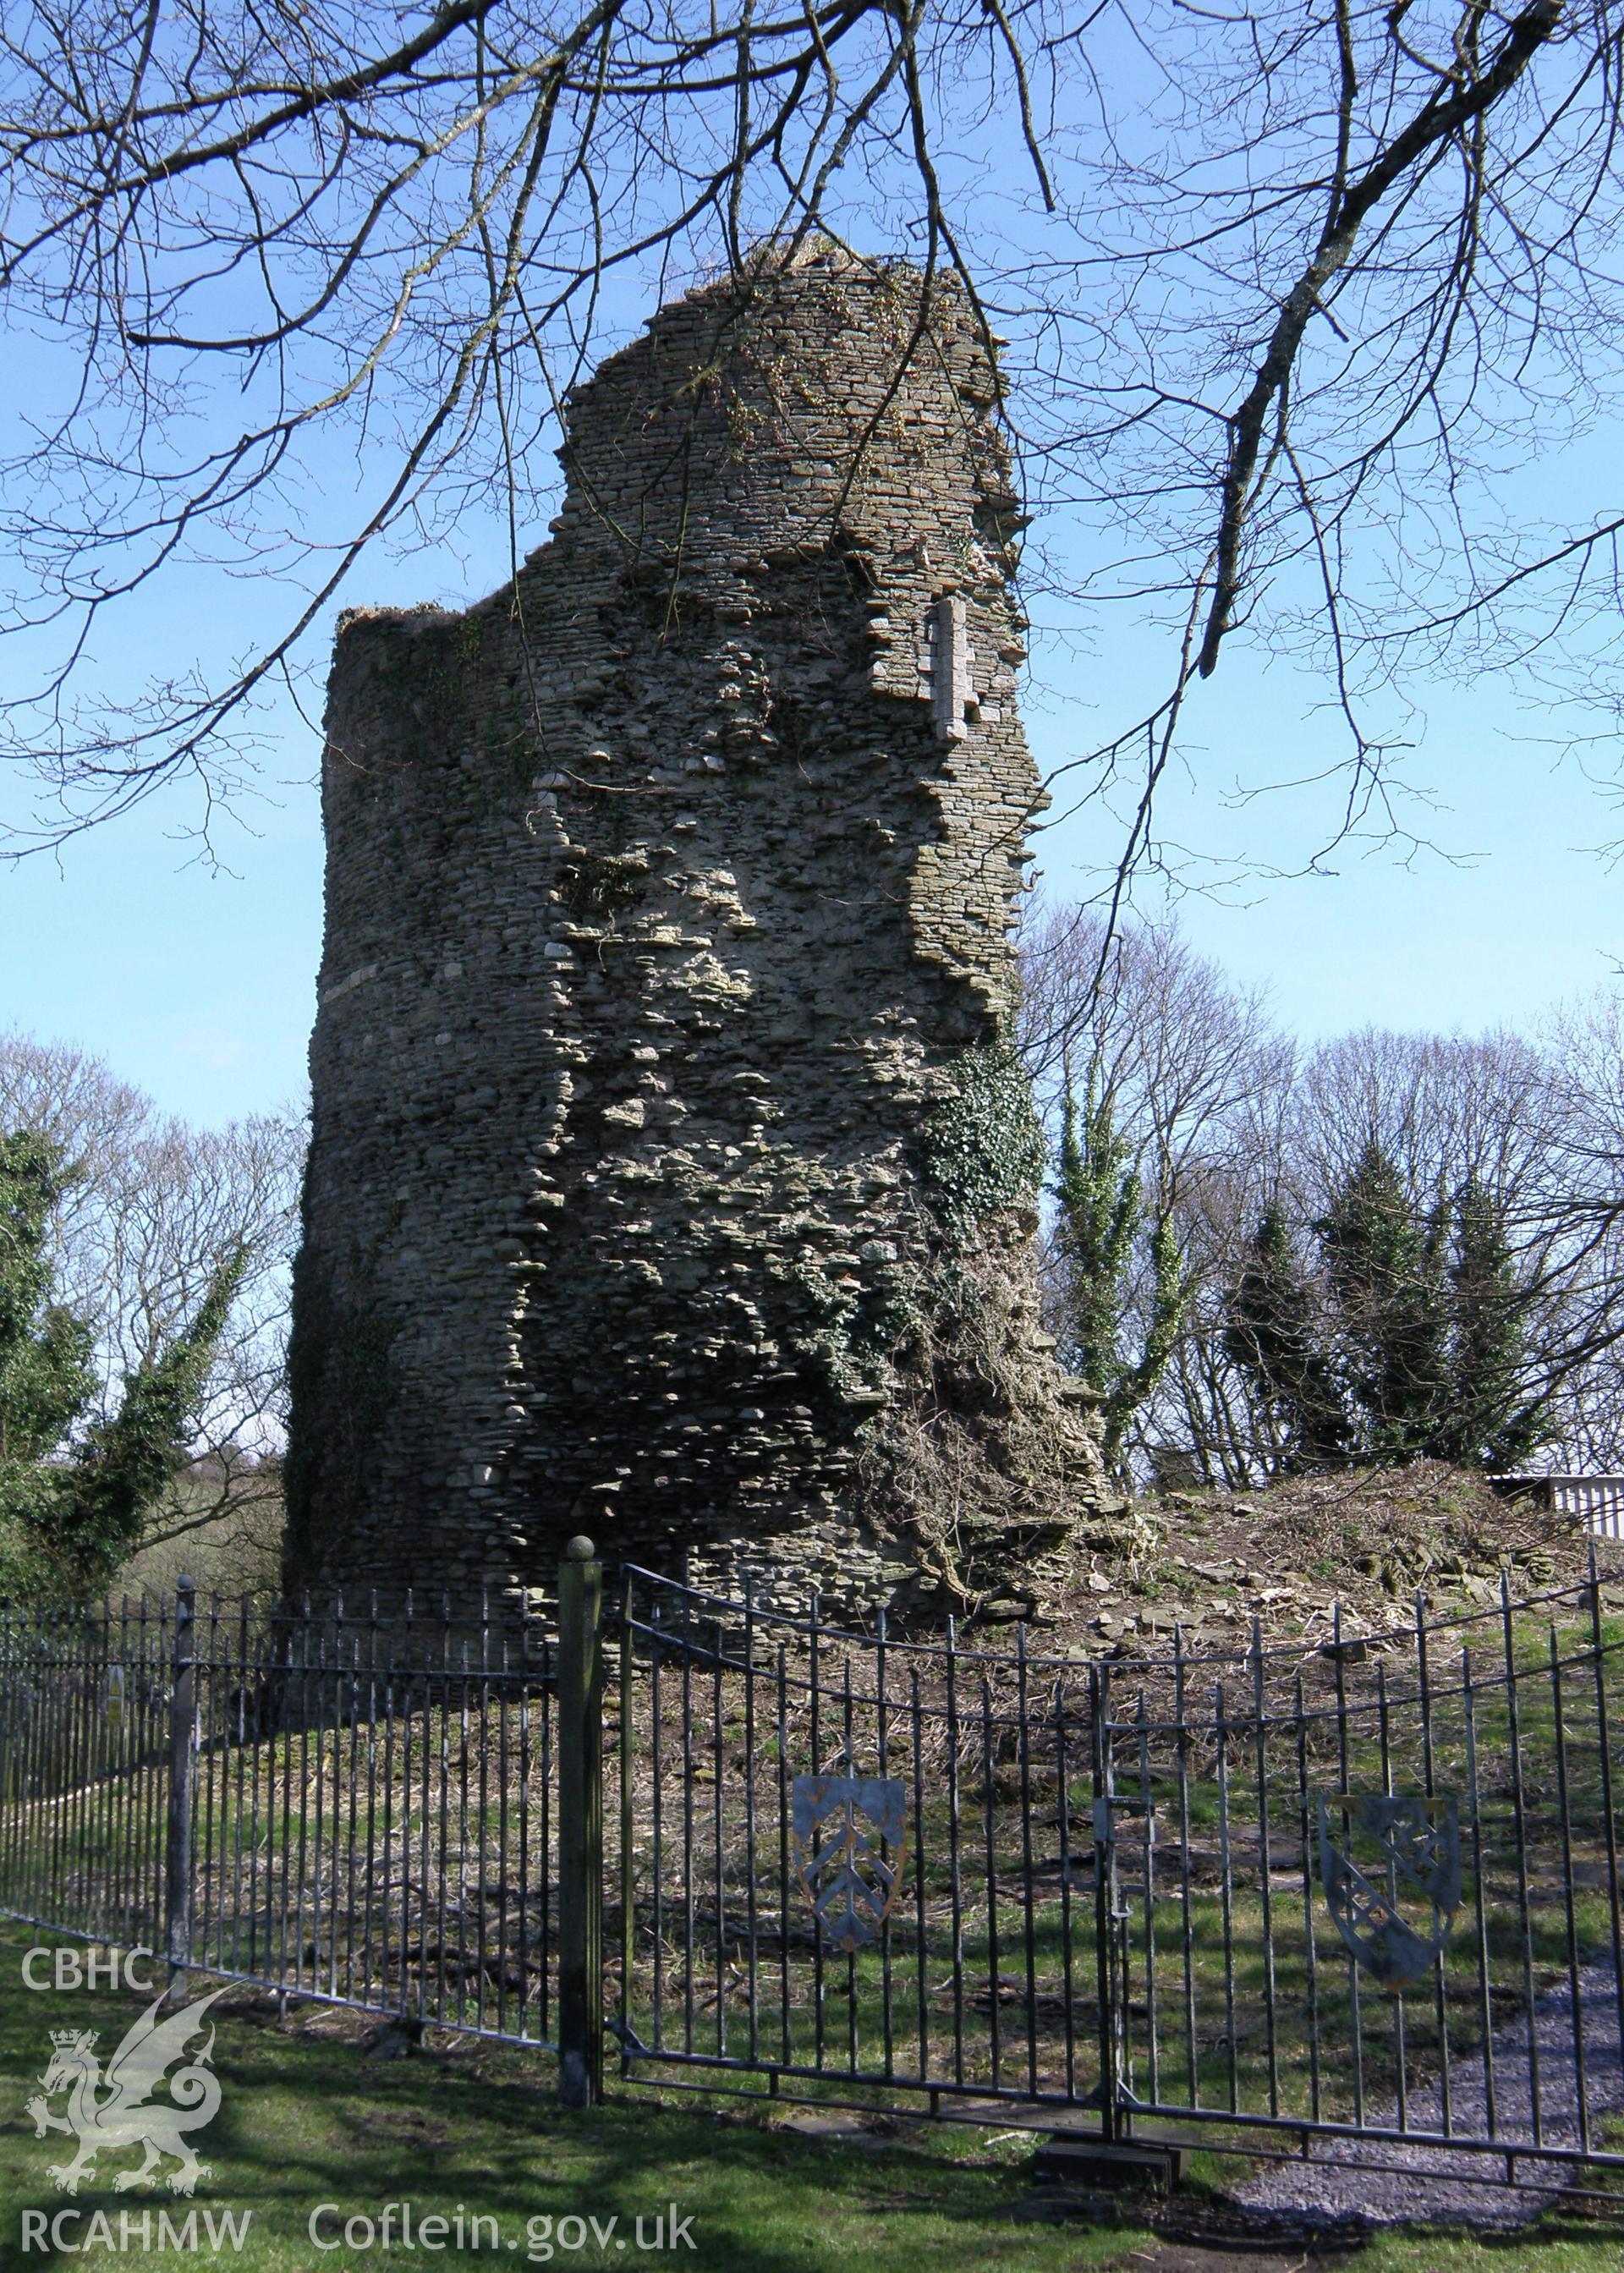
(671, 1176)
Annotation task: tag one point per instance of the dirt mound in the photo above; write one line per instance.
(1367, 1541)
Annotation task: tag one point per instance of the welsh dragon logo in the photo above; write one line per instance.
(116, 2110)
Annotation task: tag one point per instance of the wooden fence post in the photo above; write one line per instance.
(183, 1770)
(580, 1827)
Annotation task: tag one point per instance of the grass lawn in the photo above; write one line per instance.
(307, 2118)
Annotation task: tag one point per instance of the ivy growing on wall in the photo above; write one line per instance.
(983, 1147)
(601, 885)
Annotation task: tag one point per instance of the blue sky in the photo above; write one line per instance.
(197, 984)
(196, 980)
(1514, 906)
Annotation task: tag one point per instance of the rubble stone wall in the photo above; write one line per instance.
(671, 1177)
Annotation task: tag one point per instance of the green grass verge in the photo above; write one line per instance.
(307, 2118)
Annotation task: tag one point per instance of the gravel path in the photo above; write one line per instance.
(1391, 2185)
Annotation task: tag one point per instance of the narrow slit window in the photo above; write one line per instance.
(950, 686)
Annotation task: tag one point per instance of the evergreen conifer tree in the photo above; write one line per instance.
(1387, 1269)
(1490, 1422)
(1275, 1334)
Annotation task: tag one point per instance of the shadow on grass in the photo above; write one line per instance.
(309, 2126)
(308, 2121)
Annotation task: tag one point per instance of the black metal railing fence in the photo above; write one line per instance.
(1365, 1889)
(357, 1805)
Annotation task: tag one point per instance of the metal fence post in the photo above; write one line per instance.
(182, 1771)
(1105, 1908)
(580, 1827)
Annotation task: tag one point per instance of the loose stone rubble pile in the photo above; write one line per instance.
(672, 1177)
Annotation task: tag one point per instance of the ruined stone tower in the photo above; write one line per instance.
(671, 1177)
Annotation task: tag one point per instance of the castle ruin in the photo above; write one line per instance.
(672, 1177)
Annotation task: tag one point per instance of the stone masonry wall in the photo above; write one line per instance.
(671, 1178)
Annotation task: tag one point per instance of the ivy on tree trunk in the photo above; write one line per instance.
(73, 1494)
(1100, 1223)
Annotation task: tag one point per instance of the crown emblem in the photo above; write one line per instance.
(66, 2039)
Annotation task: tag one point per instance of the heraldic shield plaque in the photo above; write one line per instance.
(1393, 1885)
(850, 1833)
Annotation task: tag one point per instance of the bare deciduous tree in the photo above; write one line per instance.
(1229, 1121)
(150, 1210)
(1193, 1073)
(1288, 283)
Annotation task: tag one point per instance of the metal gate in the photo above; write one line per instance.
(1366, 1890)
(1354, 1896)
